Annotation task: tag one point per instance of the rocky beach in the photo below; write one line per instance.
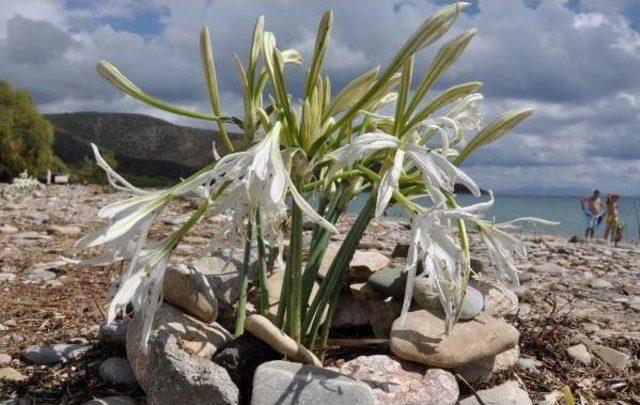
(570, 330)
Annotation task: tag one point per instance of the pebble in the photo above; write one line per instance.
(7, 229)
(40, 274)
(362, 265)
(529, 365)
(11, 374)
(612, 357)
(113, 332)
(472, 304)
(117, 371)
(549, 267)
(401, 382)
(177, 377)
(223, 274)
(64, 230)
(509, 392)
(600, 284)
(285, 383)
(170, 321)
(48, 355)
(498, 301)
(580, 353)
(389, 281)
(5, 359)
(190, 291)
(421, 338)
(366, 262)
(426, 297)
(484, 369)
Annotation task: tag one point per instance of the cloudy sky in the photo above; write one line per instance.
(576, 62)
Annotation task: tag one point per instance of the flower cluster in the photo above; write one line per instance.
(25, 184)
(329, 148)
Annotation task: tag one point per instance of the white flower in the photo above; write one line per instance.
(258, 178)
(501, 245)
(442, 260)
(468, 112)
(437, 172)
(24, 184)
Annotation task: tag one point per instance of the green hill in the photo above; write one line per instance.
(143, 145)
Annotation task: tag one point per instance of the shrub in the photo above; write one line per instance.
(26, 138)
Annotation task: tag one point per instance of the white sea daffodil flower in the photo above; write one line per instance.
(442, 260)
(437, 172)
(132, 217)
(141, 286)
(258, 178)
(501, 245)
(467, 114)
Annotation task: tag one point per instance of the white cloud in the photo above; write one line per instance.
(580, 70)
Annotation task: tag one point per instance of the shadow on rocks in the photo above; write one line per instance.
(241, 357)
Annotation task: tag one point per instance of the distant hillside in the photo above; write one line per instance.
(142, 145)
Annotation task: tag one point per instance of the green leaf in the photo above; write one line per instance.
(448, 96)
(446, 56)
(119, 80)
(495, 130)
(209, 68)
(352, 92)
(405, 87)
(322, 40)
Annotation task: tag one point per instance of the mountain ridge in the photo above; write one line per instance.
(142, 145)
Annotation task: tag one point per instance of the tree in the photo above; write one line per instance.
(26, 138)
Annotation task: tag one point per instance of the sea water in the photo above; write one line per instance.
(565, 210)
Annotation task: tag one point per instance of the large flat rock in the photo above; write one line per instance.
(421, 338)
(285, 383)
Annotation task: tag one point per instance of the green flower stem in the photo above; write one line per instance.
(338, 267)
(319, 244)
(294, 262)
(327, 325)
(244, 284)
(343, 174)
(464, 245)
(400, 198)
(262, 268)
(284, 298)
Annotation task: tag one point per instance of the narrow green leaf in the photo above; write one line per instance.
(403, 95)
(119, 80)
(448, 96)
(431, 30)
(446, 56)
(244, 284)
(206, 51)
(322, 39)
(352, 92)
(495, 130)
(257, 41)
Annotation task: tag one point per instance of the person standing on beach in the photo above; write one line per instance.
(612, 216)
(592, 208)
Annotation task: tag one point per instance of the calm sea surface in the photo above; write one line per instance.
(565, 210)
